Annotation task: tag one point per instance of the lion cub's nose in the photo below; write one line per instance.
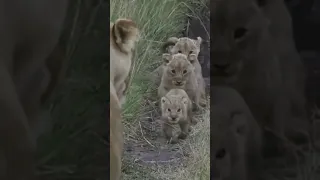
(179, 82)
(221, 67)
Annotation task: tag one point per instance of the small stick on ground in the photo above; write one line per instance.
(145, 137)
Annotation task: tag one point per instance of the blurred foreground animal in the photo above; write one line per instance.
(252, 51)
(236, 137)
(123, 35)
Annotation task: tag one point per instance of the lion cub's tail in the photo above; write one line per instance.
(124, 33)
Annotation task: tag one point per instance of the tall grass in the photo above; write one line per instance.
(157, 20)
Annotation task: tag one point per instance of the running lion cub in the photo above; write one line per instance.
(190, 48)
(179, 73)
(123, 35)
(176, 108)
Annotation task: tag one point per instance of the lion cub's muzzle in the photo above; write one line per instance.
(173, 120)
(179, 83)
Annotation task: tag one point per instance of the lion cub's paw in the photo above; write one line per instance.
(173, 140)
(183, 135)
(203, 102)
(194, 121)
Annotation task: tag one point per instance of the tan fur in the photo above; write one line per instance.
(179, 70)
(176, 108)
(245, 57)
(190, 48)
(122, 92)
(116, 135)
(25, 77)
(123, 35)
(235, 136)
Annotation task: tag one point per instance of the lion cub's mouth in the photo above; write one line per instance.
(173, 121)
(179, 84)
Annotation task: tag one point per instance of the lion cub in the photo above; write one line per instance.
(176, 108)
(190, 48)
(236, 137)
(179, 73)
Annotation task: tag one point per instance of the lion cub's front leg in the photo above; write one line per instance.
(195, 98)
(185, 128)
(168, 131)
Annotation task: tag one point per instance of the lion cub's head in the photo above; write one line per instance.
(237, 28)
(184, 46)
(178, 68)
(228, 141)
(123, 35)
(174, 105)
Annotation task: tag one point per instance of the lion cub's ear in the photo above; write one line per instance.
(166, 57)
(169, 43)
(240, 123)
(185, 100)
(173, 40)
(199, 41)
(126, 33)
(163, 100)
(192, 58)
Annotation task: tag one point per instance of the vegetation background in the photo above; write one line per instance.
(147, 156)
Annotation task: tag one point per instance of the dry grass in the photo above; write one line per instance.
(197, 164)
(157, 21)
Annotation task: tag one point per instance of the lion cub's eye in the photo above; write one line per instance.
(173, 71)
(179, 51)
(221, 153)
(185, 71)
(178, 110)
(169, 110)
(239, 33)
(190, 52)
